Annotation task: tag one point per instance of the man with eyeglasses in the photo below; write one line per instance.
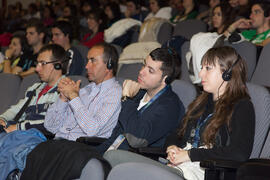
(45, 92)
(92, 110)
(23, 123)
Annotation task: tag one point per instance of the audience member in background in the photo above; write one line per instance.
(30, 123)
(86, 6)
(16, 49)
(206, 15)
(241, 8)
(221, 18)
(32, 12)
(47, 16)
(258, 23)
(159, 9)
(35, 35)
(134, 10)
(113, 13)
(62, 35)
(96, 24)
(94, 109)
(190, 11)
(219, 124)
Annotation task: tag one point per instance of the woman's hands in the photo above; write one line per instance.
(177, 155)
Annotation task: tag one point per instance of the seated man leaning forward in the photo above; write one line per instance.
(94, 109)
(44, 92)
(147, 118)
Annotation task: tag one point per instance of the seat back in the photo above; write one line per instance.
(265, 153)
(26, 83)
(142, 171)
(261, 74)
(165, 32)
(261, 101)
(93, 169)
(184, 66)
(83, 51)
(10, 84)
(84, 80)
(185, 91)
(189, 27)
(129, 71)
(248, 52)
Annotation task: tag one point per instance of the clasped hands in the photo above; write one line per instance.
(177, 155)
(68, 89)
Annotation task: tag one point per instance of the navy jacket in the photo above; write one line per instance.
(149, 128)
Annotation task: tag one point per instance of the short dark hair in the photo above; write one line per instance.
(37, 24)
(109, 53)
(265, 5)
(58, 55)
(162, 3)
(171, 64)
(65, 27)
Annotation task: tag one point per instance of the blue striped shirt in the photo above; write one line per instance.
(94, 113)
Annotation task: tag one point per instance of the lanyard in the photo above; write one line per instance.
(153, 99)
(200, 123)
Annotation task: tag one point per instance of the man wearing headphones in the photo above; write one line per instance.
(43, 93)
(92, 110)
(151, 109)
(259, 22)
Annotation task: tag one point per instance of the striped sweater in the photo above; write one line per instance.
(34, 115)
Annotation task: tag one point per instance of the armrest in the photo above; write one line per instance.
(153, 151)
(219, 164)
(93, 141)
(215, 169)
(150, 152)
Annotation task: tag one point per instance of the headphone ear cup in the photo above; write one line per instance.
(109, 64)
(227, 75)
(168, 80)
(57, 66)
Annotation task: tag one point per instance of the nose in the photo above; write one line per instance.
(53, 38)
(38, 68)
(142, 71)
(88, 65)
(201, 73)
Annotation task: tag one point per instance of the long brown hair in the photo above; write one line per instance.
(235, 90)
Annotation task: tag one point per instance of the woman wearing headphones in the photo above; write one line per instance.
(219, 123)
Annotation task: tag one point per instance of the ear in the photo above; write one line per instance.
(164, 79)
(100, 21)
(41, 35)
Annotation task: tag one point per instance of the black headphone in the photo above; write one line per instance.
(227, 75)
(109, 63)
(169, 79)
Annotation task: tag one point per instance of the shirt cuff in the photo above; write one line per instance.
(75, 104)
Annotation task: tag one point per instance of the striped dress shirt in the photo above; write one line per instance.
(94, 113)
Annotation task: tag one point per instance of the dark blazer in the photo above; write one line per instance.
(149, 128)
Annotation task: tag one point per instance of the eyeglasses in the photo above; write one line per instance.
(43, 63)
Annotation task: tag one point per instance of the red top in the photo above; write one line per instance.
(44, 90)
(99, 37)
